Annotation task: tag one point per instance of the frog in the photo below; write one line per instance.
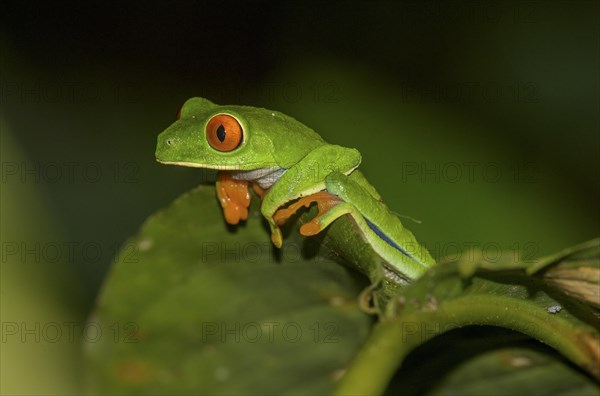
(290, 166)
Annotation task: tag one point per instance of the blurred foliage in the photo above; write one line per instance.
(198, 309)
(203, 310)
(37, 292)
(413, 85)
(490, 362)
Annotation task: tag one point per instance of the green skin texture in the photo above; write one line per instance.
(275, 140)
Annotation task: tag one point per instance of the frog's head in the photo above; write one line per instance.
(233, 138)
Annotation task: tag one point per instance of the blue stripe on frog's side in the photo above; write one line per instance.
(381, 235)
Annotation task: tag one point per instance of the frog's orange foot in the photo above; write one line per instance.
(258, 190)
(311, 228)
(325, 201)
(234, 197)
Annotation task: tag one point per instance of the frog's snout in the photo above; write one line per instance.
(163, 146)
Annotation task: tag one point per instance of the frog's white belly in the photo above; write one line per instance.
(264, 177)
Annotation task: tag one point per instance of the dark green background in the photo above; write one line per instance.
(509, 87)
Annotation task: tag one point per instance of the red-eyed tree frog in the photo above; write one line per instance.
(286, 161)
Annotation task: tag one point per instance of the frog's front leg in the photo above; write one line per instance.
(233, 196)
(304, 178)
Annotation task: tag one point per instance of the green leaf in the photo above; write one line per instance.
(191, 307)
(510, 371)
(574, 271)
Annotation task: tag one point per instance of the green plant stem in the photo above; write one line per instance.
(390, 342)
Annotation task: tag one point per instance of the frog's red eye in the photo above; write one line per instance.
(224, 133)
(179, 114)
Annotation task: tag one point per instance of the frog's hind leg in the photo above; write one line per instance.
(384, 232)
(402, 254)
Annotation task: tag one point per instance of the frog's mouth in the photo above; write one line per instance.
(264, 177)
(198, 165)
